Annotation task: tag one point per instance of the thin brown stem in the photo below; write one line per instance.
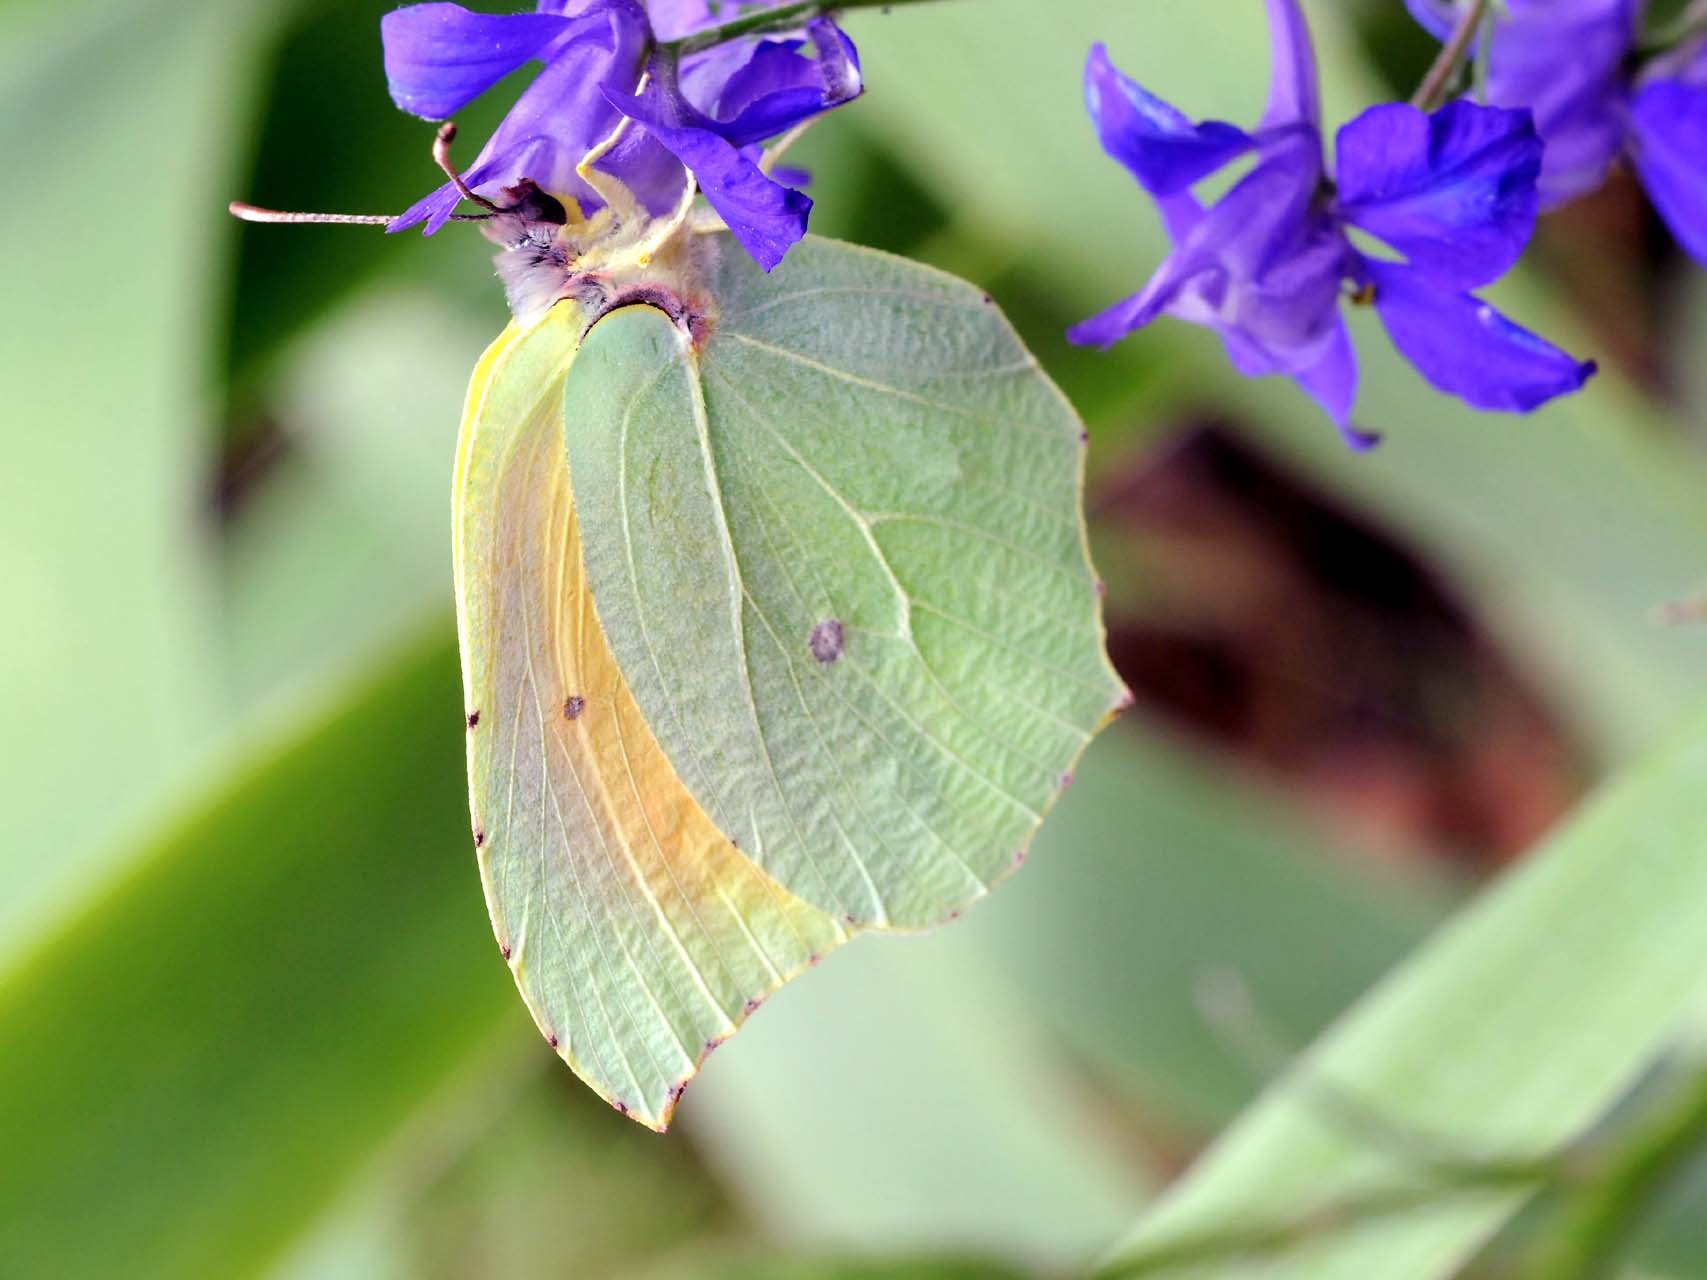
(764, 21)
(441, 157)
(1432, 91)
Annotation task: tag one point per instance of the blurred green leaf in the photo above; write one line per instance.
(928, 1268)
(191, 1067)
(859, 191)
(1513, 1030)
(516, 1170)
(1674, 1241)
(1159, 872)
(107, 576)
(343, 547)
(955, 1123)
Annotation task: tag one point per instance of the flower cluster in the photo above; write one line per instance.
(1452, 193)
(1579, 66)
(641, 104)
(613, 87)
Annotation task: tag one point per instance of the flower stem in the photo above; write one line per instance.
(1596, 1221)
(762, 21)
(1432, 91)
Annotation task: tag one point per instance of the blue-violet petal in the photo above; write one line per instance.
(1453, 191)
(440, 57)
(1158, 145)
(1670, 146)
(1465, 348)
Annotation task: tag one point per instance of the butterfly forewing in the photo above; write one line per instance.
(638, 935)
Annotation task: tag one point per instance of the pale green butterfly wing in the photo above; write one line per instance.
(836, 542)
(638, 936)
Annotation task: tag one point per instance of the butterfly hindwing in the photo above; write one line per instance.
(834, 534)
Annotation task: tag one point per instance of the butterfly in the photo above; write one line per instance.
(777, 623)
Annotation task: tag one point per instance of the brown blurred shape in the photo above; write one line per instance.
(1260, 616)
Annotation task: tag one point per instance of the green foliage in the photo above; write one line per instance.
(196, 1062)
(276, 1030)
(104, 574)
(1507, 1036)
(1142, 896)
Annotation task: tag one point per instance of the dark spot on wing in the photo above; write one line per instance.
(479, 837)
(551, 1039)
(752, 1005)
(621, 1106)
(505, 949)
(573, 706)
(826, 640)
(473, 718)
(1066, 780)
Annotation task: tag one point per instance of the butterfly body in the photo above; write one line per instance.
(549, 252)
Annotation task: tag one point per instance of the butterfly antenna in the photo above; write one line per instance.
(254, 213)
(441, 157)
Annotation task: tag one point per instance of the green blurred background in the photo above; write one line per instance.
(251, 1019)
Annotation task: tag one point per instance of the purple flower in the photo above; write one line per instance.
(1668, 142)
(1573, 64)
(1268, 265)
(706, 115)
(775, 89)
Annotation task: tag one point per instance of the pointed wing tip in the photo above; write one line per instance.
(657, 1123)
(655, 1116)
